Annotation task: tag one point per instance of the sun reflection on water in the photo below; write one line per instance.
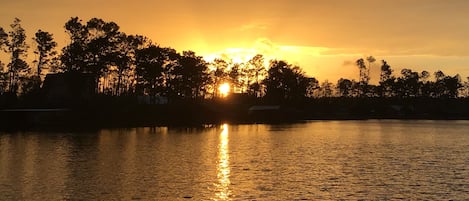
(223, 168)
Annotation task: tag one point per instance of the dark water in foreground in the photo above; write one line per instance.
(320, 160)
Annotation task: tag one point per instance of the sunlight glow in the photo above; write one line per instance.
(307, 57)
(224, 89)
(234, 55)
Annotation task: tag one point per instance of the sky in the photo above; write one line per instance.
(324, 37)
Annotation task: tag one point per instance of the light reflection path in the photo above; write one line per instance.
(223, 167)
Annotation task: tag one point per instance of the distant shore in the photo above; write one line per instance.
(196, 113)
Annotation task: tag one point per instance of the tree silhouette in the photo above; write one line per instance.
(386, 80)
(3, 39)
(258, 72)
(153, 64)
(465, 88)
(219, 74)
(364, 74)
(234, 75)
(18, 48)
(247, 76)
(149, 63)
(3, 78)
(452, 86)
(446, 86)
(3, 47)
(345, 87)
(408, 83)
(313, 86)
(102, 47)
(45, 50)
(190, 77)
(124, 56)
(370, 60)
(125, 64)
(426, 86)
(326, 89)
(99, 48)
(285, 82)
(73, 56)
(364, 77)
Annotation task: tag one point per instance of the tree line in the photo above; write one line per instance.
(125, 65)
(410, 84)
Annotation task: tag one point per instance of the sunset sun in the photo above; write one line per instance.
(224, 89)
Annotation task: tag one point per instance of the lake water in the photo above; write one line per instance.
(318, 160)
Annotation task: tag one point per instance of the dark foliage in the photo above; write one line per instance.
(103, 65)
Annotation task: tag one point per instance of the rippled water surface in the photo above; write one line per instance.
(319, 160)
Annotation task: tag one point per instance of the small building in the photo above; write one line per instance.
(263, 108)
(273, 113)
(69, 88)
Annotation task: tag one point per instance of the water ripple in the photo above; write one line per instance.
(320, 160)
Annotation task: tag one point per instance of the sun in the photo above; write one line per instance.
(224, 89)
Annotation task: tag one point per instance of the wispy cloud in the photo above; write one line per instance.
(254, 26)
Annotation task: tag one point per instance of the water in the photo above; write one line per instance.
(319, 160)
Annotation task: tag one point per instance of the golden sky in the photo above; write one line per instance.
(324, 37)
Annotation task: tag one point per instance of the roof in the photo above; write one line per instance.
(264, 107)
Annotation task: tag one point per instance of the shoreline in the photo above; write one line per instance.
(176, 115)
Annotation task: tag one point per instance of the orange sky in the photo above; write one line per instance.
(322, 36)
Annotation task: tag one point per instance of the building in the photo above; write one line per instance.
(69, 88)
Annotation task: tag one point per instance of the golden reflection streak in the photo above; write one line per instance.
(223, 168)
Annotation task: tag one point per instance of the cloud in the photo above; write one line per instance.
(348, 63)
(254, 26)
(265, 46)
